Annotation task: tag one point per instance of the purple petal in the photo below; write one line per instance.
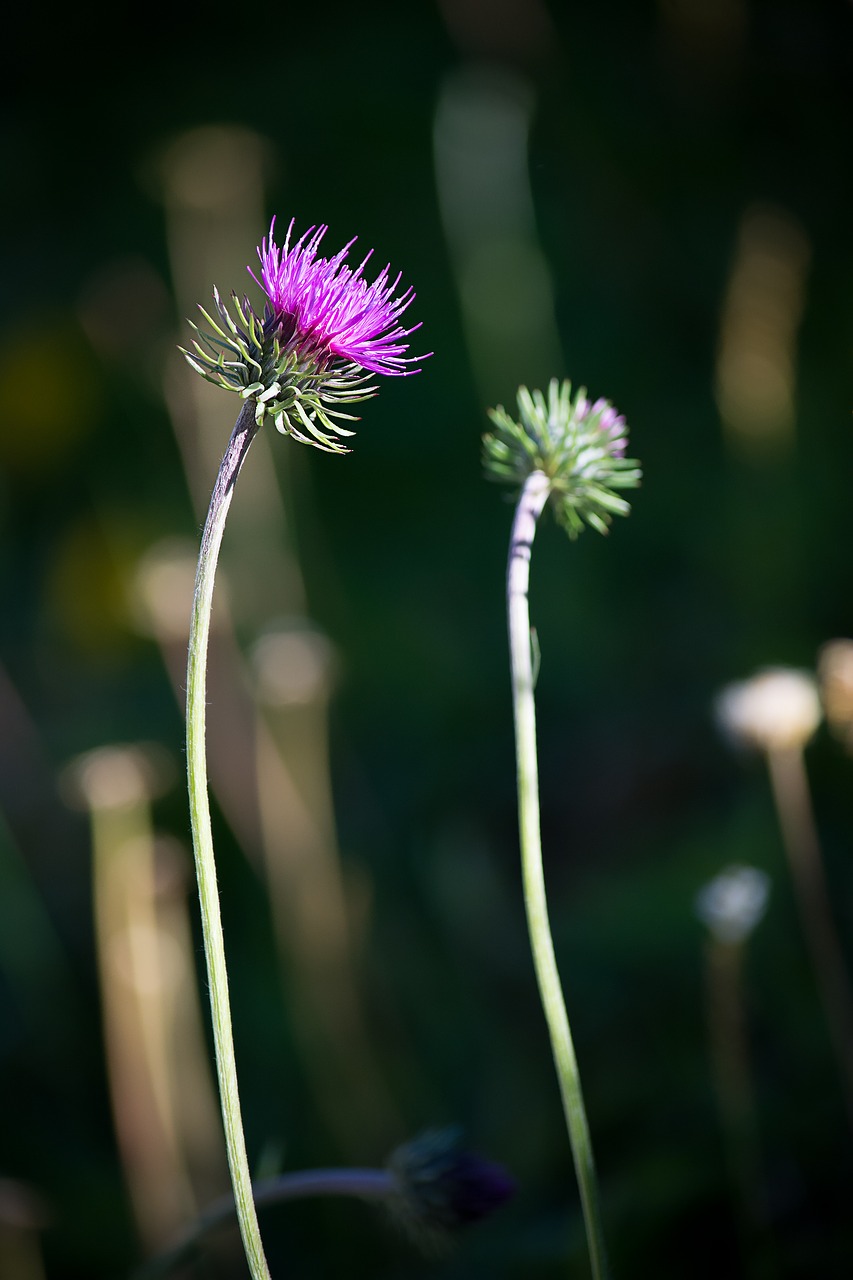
(331, 307)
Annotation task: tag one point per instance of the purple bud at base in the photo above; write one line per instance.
(445, 1187)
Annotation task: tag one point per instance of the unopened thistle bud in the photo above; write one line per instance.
(578, 445)
(442, 1186)
(323, 333)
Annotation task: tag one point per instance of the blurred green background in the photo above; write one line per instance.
(646, 198)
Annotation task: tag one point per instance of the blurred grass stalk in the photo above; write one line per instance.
(732, 1073)
(480, 144)
(270, 772)
(792, 798)
(33, 958)
(136, 970)
(20, 1255)
(777, 712)
(195, 1104)
(22, 1216)
(293, 668)
(756, 357)
(273, 782)
(31, 953)
(731, 905)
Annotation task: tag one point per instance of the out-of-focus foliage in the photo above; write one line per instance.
(645, 199)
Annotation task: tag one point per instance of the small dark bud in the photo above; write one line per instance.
(443, 1186)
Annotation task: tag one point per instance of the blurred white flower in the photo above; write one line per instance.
(777, 709)
(733, 903)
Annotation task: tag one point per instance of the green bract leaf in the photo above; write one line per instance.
(255, 360)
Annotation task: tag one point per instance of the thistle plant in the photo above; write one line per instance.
(568, 452)
(302, 362)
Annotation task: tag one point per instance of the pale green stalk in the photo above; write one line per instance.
(214, 948)
(533, 498)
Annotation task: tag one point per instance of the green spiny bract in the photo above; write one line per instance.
(579, 446)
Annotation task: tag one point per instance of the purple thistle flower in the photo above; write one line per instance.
(310, 355)
(610, 422)
(327, 308)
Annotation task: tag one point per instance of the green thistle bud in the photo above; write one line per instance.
(579, 446)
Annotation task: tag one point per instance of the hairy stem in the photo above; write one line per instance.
(214, 947)
(529, 508)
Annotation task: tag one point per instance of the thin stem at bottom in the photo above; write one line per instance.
(360, 1184)
(529, 508)
(214, 946)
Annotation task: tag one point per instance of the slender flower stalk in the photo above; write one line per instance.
(322, 332)
(533, 498)
(205, 864)
(361, 1184)
(432, 1186)
(569, 452)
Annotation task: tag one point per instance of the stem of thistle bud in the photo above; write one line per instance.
(360, 1184)
(530, 505)
(214, 947)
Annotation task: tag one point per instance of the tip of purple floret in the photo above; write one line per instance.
(331, 309)
(610, 422)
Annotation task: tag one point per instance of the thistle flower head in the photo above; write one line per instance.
(332, 309)
(579, 445)
(322, 334)
(442, 1186)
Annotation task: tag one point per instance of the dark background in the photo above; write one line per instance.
(654, 132)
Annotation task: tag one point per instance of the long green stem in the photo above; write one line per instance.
(529, 508)
(214, 947)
